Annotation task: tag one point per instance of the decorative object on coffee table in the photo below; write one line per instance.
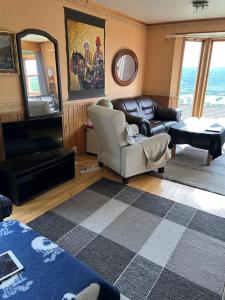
(196, 133)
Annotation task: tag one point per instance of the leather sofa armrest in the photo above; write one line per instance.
(164, 113)
(5, 207)
(143, 124)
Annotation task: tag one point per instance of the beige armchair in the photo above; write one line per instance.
(148, 153)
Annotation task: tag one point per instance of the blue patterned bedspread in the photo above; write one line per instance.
(50, 272)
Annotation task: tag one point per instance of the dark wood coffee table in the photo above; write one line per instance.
(195, 133)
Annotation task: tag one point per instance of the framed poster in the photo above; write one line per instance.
(8, 56)
(85, 39)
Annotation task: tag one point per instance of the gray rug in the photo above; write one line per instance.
(148, 246)
(189, 168)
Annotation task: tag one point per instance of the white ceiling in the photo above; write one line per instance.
(159, 11)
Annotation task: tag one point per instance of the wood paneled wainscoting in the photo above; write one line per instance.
(74, 117)
(11, 117)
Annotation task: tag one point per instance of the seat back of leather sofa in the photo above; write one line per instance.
(128, 106)
(140, 106)
(146, 105)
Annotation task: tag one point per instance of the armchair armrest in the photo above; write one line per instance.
(143, 124)
(5, 207)
(164, 113)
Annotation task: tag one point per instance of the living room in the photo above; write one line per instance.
(124, 199)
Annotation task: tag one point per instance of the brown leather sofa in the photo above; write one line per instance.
(150, 116)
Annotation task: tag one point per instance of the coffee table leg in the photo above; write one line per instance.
(173, 151)
(209, 159)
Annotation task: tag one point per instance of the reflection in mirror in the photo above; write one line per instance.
(124, 67)
(40, 74)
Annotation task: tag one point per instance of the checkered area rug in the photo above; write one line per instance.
(148, 246)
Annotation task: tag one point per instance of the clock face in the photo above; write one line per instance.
(50, 72)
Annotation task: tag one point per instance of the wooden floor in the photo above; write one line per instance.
(46, 201)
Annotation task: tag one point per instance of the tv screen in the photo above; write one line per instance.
(32, 136)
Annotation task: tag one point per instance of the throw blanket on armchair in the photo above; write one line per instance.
(157, 151)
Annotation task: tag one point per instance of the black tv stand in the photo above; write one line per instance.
(23, 178)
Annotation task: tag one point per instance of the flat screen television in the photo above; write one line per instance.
(32, 136)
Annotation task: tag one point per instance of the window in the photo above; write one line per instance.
(192, 53)
(202, 80)
(32, 79)
(214, 102)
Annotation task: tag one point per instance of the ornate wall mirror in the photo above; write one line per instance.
(124, 67)
(39, 68)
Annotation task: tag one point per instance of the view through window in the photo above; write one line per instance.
(214, 104)
(192, 53)
(32, 77)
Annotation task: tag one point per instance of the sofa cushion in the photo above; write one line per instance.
(146, 105)
(168, 124)
(157, 127)
(132, 107)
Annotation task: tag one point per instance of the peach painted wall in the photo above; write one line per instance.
(49, 16)
(160, 52)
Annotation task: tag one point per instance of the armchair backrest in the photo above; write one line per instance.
(109, 126)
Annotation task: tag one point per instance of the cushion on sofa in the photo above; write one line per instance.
(146, 105)
(157, 127)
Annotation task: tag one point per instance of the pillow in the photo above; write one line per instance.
(132, 131)
(90, 293)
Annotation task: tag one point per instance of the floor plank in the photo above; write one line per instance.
(174, 191)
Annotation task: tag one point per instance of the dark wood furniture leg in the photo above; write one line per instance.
(100, 164)
(125, 180)
(209, 159)
(161, 170)
(173, 151)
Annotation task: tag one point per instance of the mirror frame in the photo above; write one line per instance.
(116, 58)
(19, 36)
